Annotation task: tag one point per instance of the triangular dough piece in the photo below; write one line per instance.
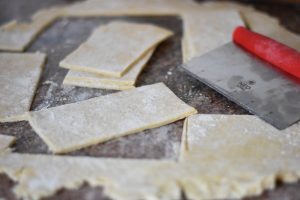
(207, 30)
(15, 36)
(127, 179)
(19, 74)
(232, 156)
(127, 81)
(6, 141)
(114, 48)
(73, 126)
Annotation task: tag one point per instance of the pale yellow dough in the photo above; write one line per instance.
(16, 36)
(259, 22)
(114, 48)
(123, 179)
(127, 81)
(233, 156)
(73, 126)
(207, 30)
(5, 142)
(19, 74)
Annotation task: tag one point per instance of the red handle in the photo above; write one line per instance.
(276, 53)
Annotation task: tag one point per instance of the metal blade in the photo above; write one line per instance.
(250, 82)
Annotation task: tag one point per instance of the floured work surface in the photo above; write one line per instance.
(160, 143)
(19, 76)
(74, 126)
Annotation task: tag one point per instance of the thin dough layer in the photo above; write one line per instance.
(73, 126)
(207, 30)
(19, 74)
(127, 81)
(124, 179)
(114, 48)
(233, 156)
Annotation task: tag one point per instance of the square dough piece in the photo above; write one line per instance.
(233, 156)
(19, 74)
(6, 141)
(207, 30)
(92, 80)
(114, 48)
(73, 126)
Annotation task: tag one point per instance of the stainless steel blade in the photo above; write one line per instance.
(250, 82)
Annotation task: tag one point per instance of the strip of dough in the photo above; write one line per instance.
(73, 126)
(125, 179)
(127, 81)
(207, 30)
(6, 141)
(232, 156)
(15, 36)
(114, 48)
(19, 74)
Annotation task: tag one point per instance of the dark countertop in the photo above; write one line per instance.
(65, 35)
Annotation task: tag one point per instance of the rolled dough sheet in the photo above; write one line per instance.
(127, 179)
(16, 36)
(207, 30)
(233, 156)
(20, 73)
(73, 126)
(6, 141)
(127, 81)
(114, 48)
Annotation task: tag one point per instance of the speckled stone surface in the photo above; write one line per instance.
(65, 35)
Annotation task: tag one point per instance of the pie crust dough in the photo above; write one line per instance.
(5, 142)
(113, 49)
(259, 22)
(69, 127)
(207, 30)
(233, 156)
(127, 81)
(19, 74)
(123, 179)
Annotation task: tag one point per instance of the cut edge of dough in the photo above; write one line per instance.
(94, 141)
(94, 83)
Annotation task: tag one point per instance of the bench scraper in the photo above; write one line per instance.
(257, 73)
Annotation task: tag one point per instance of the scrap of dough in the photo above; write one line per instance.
(73, 126)
(16, 36)
(207, 30)
(114, 48)
(124, 179)
(127, 81)
(6, 141)
(233, 156)
(20, 73)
